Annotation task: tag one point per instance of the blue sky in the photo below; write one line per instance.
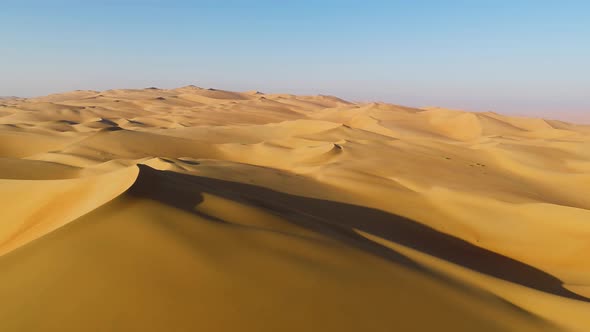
(512, 56)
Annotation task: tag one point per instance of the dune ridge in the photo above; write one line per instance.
(193, 208)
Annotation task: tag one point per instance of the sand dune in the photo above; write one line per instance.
(202, 209)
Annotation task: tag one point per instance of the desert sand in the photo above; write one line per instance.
(196, 209)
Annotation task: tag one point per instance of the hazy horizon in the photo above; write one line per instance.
(524, 58)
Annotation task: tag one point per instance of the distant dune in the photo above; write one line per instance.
(197, 209)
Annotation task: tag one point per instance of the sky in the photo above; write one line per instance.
(518, 57)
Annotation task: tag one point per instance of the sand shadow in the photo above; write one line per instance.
(337, 220)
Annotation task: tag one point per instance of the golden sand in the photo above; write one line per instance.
(206, 210)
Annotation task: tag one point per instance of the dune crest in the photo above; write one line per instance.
(50, 204)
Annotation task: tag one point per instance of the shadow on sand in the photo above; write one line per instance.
(337, 220)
